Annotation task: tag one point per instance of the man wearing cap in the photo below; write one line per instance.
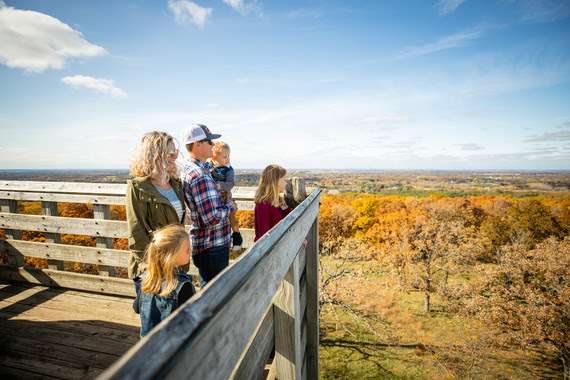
(210, 233)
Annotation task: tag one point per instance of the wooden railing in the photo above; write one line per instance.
(266, 300)
(102, 197)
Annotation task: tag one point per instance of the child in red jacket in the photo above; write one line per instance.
(270, 207)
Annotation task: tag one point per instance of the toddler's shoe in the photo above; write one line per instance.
(237, 241)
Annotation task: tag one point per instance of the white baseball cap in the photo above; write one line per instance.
(197, 132)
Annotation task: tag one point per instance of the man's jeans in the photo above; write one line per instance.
(210, 262)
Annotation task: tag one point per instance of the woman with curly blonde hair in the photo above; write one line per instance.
(154, 197)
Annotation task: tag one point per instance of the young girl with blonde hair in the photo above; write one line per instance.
(270, 206)
(164, 286)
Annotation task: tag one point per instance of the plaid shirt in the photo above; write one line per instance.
(209, 213)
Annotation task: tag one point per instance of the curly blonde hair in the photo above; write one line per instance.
(161, 252)
(149, 159)
(219, 147)
(268, 189)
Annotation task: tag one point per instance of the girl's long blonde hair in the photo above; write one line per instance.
(149, 159)
(161, 277)
(268, 189)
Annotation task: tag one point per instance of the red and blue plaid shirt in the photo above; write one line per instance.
(204, 204)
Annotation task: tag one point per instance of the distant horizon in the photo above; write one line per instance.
(372, 170)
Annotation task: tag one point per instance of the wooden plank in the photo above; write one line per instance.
(121, 327)
(252, 363)
(215, 326)
(73, 362)
(312, 302)
(287, 320)
(16, 373)
(245, 205)
(82, 307)
(40, 366)
(104, 212)
(243, 192)
(77, 339)
(65, 187)
(63, 197)
(73, 253)
(41, 336)
(109, 189)
(72, 280)
(50, 209)
(112, 331)
(77, 226)
(11, 206)
(21, 290)
(248, 235)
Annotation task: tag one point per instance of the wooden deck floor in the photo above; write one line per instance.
(58, 333)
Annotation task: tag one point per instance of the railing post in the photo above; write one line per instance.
(104, 212)
(287, 319)
(312, 275)
(11, 206)
(50, 209)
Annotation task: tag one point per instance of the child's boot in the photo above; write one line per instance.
(237, 241)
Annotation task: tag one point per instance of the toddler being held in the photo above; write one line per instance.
(224, 176)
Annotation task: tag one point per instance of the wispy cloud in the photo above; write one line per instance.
(444, 43)
(245, 8)
(543, 11)
(187, 11)
(242, 80)
(35, 42)
(448, 6)
(105, 86)
(477, 113)
(556, 136)
(393, 118)
(305, 13)
(471, 146)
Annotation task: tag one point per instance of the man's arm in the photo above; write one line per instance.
(208, 201)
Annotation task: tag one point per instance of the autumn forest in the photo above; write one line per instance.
(423, 274)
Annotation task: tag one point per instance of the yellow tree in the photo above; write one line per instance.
(439, 236)
(527, 295)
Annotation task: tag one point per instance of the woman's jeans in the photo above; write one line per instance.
(210, 262)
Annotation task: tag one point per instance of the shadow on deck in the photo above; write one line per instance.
(41, 337)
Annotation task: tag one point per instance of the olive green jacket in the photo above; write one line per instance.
(148, 210)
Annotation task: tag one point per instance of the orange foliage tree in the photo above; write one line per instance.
(527, 294)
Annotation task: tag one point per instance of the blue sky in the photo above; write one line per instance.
(408, 84)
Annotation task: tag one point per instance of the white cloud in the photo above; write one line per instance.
(448, 42)
(187, 11)
(556, 136)
(448, 6)
(35, 42)
(471, 146)
(382, 119)
(243, 8)
(543, 11)
(106, 86)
